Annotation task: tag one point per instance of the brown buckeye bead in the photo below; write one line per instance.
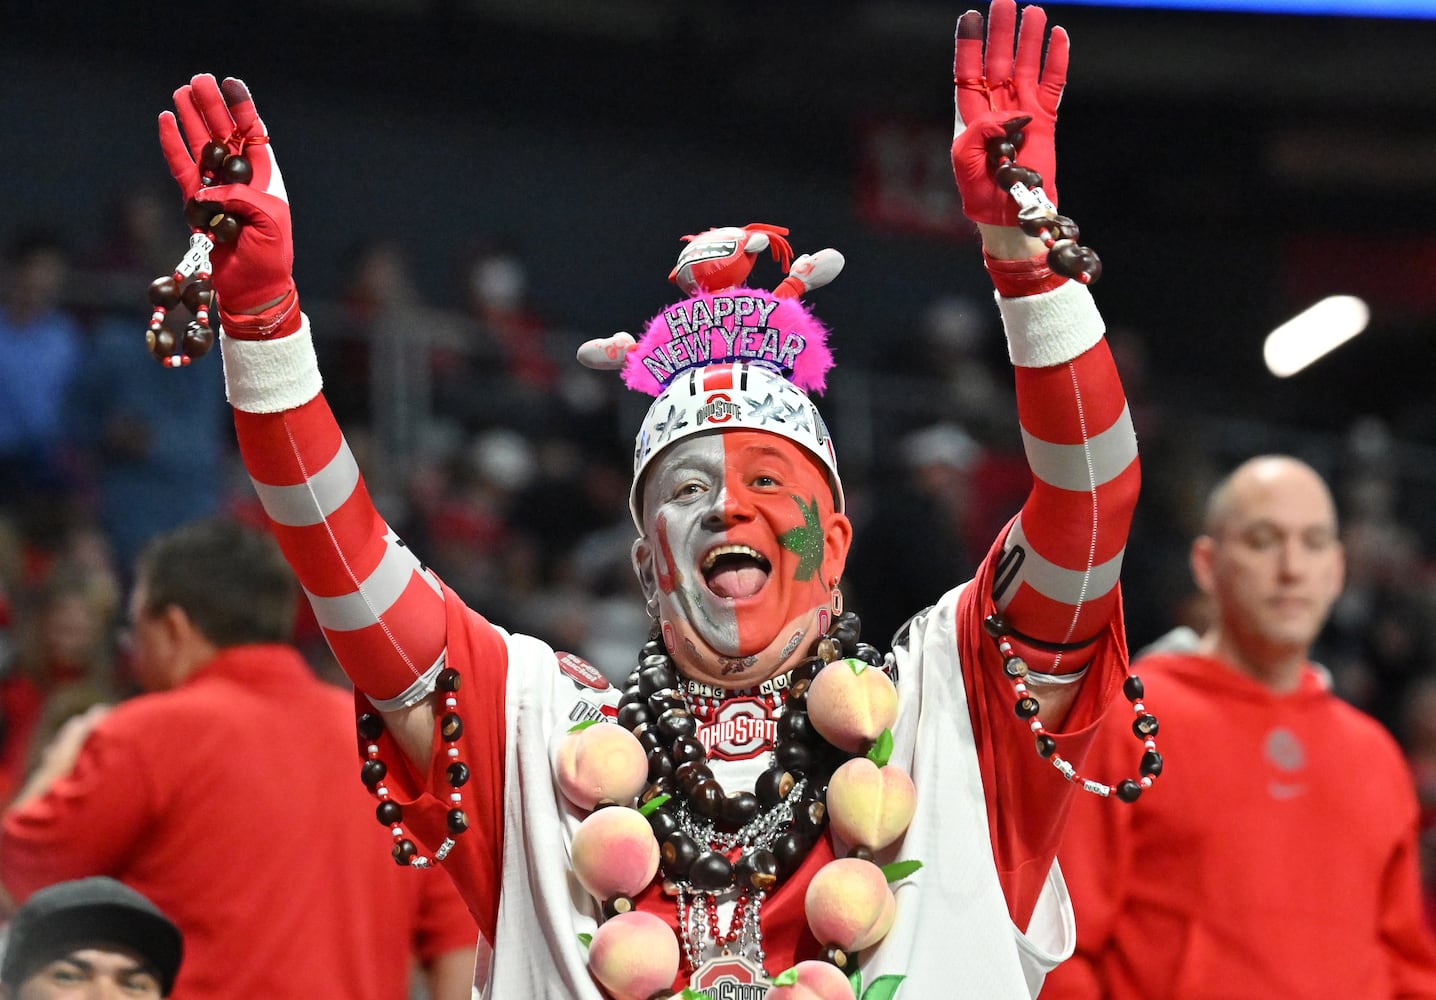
(739, 808)
(370, 726)
(201, 214)
(197, 340)
(676, 854)
(164, 344)
(196, 294)
(165, 292)
(1128, 790)
(660, 765)
(633, 714)
(790, 849)
(457, 821)
(1046, 745)
(648, 736)
(225, 229)
(773, 785)
(212, 156)
(999, 151)
(389, 812)
(1026, 707)
(676, 722)
(1133, 688)
(796, 757)
(794, 725)
(1144, 726)
(663, 823)
(449, 680)
(710, 871)
(690, 773)
(457, 774)
(707, 798)
(372, 772)
(404, 851)
(687, 748)
(1151, 765)
(834, 955)
(1009, 174)
(235, 170)
(617, 905)
(451, 727)
(757, 870)
(829, 649)
(666, 700)
(809, 818)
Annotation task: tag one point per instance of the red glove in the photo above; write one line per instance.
(253, 278)
(994, 87)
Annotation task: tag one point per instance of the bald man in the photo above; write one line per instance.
(1277, 855)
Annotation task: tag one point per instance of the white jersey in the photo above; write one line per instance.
(952, 936)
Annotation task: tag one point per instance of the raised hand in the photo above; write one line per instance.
(252, 274)
(994, 85)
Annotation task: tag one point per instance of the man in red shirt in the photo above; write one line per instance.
(225, 794)
(1277, 857)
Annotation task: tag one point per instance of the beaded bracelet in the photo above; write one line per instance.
(1144, 726)
(189, 282)
(1036, 215)
(389, 813)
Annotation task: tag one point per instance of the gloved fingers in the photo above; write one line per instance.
(1001, 25)
(249, 125)
(241, 108)
(209, 102)
(1054, 71)
(1028, 65)
(971, 97)
(183, 167)
(191, 122)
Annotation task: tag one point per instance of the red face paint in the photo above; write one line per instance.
(744, 523)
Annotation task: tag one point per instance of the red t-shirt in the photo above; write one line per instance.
(233, 803)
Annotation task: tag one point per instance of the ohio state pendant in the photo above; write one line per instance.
(730, 977)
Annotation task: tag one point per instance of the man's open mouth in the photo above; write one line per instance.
(735, 571)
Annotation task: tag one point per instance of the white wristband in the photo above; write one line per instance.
(270, 376)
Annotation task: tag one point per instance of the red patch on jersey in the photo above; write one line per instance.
(582, 671)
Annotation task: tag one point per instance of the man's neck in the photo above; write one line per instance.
(1276, 667)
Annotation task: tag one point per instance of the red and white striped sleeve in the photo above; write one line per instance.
(1057, 582)
(381, 610)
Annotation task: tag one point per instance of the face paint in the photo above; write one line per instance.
(747, 543)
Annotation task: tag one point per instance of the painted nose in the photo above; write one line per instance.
(725, 511)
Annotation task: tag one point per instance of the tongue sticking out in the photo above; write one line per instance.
(737, 579)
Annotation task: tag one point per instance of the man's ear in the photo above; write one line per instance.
(837, 540)
(1201, 559)
(642, 556)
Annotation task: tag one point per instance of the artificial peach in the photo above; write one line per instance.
(850, 703)
(614, 853)
(870, 805)
(849, 904)
(811, 981)
(634, 955)
(600, 763)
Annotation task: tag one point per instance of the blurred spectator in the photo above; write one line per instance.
(189, 793)
(63, 663)
(921, 525)
(1277, 856)
(39, 355)
(89, 939)
(150, 441)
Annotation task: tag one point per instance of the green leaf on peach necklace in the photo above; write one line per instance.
(900, 870)
(882, 749)
(788, 977)
(691, 994)
(580, 727)
(651, 806)
(585, 939)
(883, 988)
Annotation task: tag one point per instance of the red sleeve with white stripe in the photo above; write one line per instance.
(381, 611)
(1062, 557)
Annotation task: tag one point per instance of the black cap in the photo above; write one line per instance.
(84, 912)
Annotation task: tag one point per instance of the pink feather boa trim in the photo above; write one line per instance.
(735, 324)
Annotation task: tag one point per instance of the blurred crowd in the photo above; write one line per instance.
(505, 465)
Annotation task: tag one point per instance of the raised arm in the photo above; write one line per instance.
(381, 610)
(1056, 586)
